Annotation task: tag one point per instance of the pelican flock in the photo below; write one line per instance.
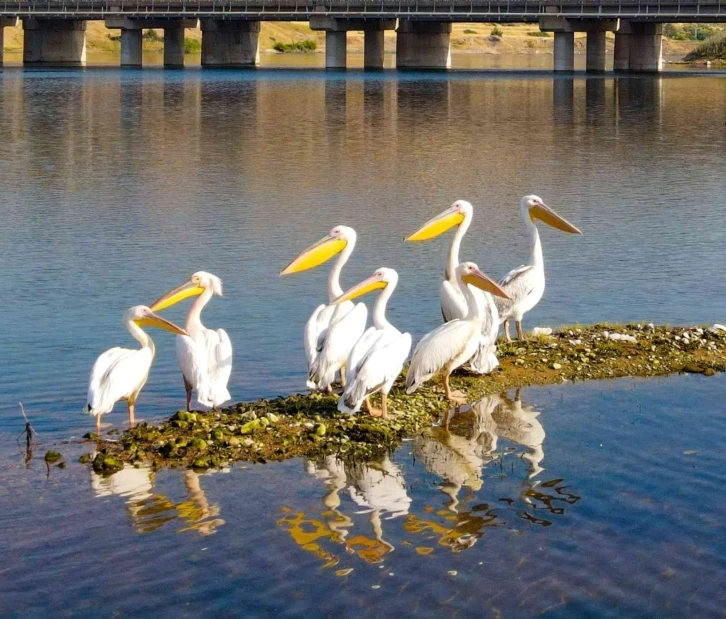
(336, 341)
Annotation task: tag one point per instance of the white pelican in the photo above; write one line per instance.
(453, 301)
(525, 285)
(121, 373)
(378, 357)
(205, 355)
(332, 330)
(453, 343)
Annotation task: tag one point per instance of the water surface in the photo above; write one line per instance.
(592, 499)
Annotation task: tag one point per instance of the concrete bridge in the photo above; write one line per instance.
(54, 30)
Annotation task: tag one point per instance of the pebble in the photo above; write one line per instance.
(541, 331)
(618, 337)
(717, 328)
(556, 366)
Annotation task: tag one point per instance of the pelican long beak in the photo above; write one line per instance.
(374, 282)
(547, 215)
(186, 290)
(438, 225)
(485, 283)
(315, 255)
(160, 323)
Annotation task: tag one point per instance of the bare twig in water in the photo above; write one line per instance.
(29, 431)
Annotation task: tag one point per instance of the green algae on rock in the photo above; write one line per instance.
(310, 425)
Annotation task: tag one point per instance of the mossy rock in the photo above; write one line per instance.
(85, 458)
(51, 457)
(107, 464)
(91, 436)
(199, 444)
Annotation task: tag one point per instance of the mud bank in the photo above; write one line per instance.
(310, 425)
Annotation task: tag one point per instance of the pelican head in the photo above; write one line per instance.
(331, 244)
(197, 284)
(533, 207)
(380, 279)
(470, 274)
(145, 317)
(457, 213)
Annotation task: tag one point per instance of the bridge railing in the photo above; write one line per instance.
(456, 10)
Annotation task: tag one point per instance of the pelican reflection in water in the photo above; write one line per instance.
(149, 511)
(377, 490)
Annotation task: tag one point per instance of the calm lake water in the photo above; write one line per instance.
(119, 184)
(588, 500)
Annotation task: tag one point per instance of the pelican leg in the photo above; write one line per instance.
(520, 332)
(384, 405)
(457, 397)
(98, 425)
(188, 390)
(342, 376)
(506, 331)
(372, 411)
(132, 410)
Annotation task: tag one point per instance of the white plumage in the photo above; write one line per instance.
(119, 374)
(205, 355)
(332, 330)
(525, 285)
(453, 343)
(377, 358)
(453, 302)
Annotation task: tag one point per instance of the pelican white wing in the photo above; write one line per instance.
(453, 303)
(118, 374)
(340, 339)
(205, 359)
(377, 369)
(519, 284)
(451, 345)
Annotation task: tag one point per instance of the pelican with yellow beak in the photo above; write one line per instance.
(525, 285)
(453, 300)
(378, 357)
(452, 344)
(205, 355)
(333, 329)
(121, 373)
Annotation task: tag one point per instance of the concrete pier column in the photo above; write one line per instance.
(59, 42)
(564, 51)
(646, 48)
(596, 54)
(174, 46)
(131, 48)
(621, 60)
(4, 22)
(230, 43)
(336, 43)
(423, 45)
(373, 49)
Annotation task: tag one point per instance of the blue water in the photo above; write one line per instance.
(117, 185)
(596, 499)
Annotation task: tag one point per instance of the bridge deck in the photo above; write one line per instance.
(439, 10)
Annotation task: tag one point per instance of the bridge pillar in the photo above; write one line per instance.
(423, 45)
(336, 52)
(564, 51)
(5, 21)
(621, 59)
(646, 47)
(596, 51)
(131, 48)
(174, 46)
(230, 43)
(373, 48)
(54, 42)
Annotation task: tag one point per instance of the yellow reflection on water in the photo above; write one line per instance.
(149, 511)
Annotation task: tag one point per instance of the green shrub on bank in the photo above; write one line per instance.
(192, 46)
(537, 33)
(497, 31)
(712, 49)
(299, 46)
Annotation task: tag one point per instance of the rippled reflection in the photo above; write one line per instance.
(488, 465)
(149, 511)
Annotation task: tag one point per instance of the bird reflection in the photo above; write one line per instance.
(376, 489)
(149, 511)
